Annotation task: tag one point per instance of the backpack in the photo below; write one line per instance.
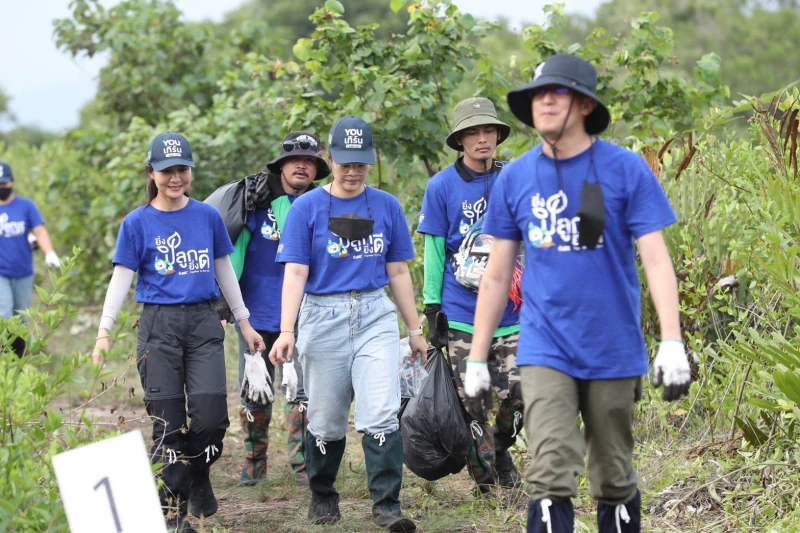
(469, 262)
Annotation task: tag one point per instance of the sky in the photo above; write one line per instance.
(48, 87)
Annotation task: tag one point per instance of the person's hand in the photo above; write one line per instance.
(224, 323)
(101, 346)
(290, 381)
(671, 369)
(419, 347)
(282, 348)
(51, 260)
(477, 390)
(254, 340)
(256, 384)
(437, 325)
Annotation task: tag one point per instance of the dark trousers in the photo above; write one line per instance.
(181, 362)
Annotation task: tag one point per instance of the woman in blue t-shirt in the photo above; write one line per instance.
(342, 244)
(19, 217)
(180, 249)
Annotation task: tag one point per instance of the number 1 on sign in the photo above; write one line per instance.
(104, 482)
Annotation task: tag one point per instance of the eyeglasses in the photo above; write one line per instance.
(289, 146)
(555, 89)
(353, 169)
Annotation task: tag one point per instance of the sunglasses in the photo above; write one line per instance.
(289, 146)
(555, 89)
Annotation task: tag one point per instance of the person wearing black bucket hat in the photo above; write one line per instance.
(579, 204)
(342, 245)
(455, 202)
(291, 174)
(180, 249)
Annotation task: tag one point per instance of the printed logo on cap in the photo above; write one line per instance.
(2, 169)
(476, 105)
(172, 148)
(353, 138)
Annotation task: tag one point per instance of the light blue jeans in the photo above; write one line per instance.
(15, 296)
(349, 346)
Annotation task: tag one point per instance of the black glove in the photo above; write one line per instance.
(437, 325)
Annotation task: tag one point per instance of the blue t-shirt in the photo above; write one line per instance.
(17, 219)
(262, 276)
(173, 252)
(450, 208)
(339, 265)
(582, 308)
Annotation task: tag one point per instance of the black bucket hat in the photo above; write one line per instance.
(301, 143)
(568, 71)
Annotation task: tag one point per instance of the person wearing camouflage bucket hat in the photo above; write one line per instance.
(291, 174)
(455, 202)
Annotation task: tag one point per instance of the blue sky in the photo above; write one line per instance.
(48, 88)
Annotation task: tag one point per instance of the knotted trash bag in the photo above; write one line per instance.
(237, 199)
(436, 439)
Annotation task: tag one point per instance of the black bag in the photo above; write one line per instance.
(436, 439)
(236, 199)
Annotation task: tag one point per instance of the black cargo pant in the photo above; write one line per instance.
(181, 362)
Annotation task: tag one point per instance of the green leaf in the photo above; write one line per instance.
(397, 5)
(334, 6)
(302, 49)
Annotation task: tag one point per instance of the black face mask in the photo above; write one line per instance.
(592, 215)
(5, 194)
(350, 226)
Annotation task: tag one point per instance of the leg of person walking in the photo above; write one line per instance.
(504, 374)
(327, 359)
(607, 409)
(207, 400)
(555, 445)
(376, 341)
(296, 424)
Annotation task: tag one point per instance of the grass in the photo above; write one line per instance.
(685, 476)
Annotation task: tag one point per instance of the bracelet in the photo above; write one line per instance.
(474, 362)
(102, 337)
(672, 340)
(287, 331)
(415, 332)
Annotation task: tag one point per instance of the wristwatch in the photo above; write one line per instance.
(415, 332)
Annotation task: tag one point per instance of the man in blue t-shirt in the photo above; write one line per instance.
(18, 217)
(578, 204)
(455, 202)
(291, 174)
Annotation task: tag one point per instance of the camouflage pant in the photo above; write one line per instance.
(296, 423)
(255, 423)
(490, 440)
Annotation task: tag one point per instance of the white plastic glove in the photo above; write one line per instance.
(256, 385)
(51, 260)
(671, 369)
(477, 390)
(290, 380)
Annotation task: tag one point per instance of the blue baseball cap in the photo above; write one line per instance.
(5, 173)
(169, 150)
(350, 141)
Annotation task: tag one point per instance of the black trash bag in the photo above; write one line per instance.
(236, 199)
(436, 439)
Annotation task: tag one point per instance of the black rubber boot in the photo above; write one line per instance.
(625, 518)
(550, 516)
(322, 465)
(507, 473)
(180, 525)
(383, 453)
(202, 502)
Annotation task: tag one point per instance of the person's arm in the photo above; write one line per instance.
(294, 286)
(118, 287)
(493, 296)
(43, 237)
(663, 285)
(229, 285)
(433, 262)
(403, 293)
